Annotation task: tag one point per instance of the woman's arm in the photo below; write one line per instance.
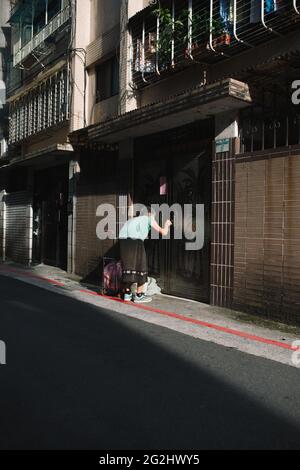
(163, 231)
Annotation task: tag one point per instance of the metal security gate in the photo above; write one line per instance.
(177, 173)
(18, 220)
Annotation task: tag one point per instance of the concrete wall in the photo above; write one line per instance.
(102, 110)
(104, 42)
(105, 15)
(4, 50)
(4, 16)
(172, 85)
(134, 6)
(81, 40)
(53, 136)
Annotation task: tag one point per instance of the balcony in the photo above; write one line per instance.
(43, 107)
(23, 20)
(171, 35)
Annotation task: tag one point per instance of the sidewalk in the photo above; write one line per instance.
(226, 327)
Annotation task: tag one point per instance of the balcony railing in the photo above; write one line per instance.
(53, 26)
(172, 34)
(43, 107)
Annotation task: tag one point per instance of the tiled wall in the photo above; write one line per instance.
(96, 186)
(267, 236)
(223, 177)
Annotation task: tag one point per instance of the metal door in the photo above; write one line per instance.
(188, 270)
(50, 217)
(185, 177)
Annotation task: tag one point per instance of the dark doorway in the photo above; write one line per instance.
(50, 217)
(182, 160)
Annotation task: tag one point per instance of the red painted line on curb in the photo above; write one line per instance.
(177, 316)
(194, 321)
(32, 276)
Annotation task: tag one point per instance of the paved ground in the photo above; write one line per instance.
(213, 324)
(83, 376)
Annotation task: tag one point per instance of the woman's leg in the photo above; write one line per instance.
(126, 288)
(127, 294)
(140, 289)
(140, 296)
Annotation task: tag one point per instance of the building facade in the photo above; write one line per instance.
(45, 92)
(204, 115)
(4, 54)
(186, 102)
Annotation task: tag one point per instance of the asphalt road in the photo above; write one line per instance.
(78, 377)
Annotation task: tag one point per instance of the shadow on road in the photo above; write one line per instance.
(81, 377)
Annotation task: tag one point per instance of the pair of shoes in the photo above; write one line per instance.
(128, 297)
(142, 299)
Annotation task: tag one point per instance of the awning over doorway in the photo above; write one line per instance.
(192, 105)
(47, 156)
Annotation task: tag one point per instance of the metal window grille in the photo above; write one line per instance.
(273, 124)
(203, 31)
(45, 106)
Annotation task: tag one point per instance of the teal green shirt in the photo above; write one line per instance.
(137, 228)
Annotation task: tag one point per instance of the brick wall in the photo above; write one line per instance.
(267, 236)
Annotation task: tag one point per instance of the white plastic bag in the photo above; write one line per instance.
(151, 287)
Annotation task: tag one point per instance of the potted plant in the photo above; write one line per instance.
(202, 26)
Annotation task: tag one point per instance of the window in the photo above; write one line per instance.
(26, 28)
(35, 17)
(39, 18)
(107, 79)
(54, 7)
(273, 125)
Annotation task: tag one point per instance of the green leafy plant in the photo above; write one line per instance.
(169, 31)
(178, 30)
